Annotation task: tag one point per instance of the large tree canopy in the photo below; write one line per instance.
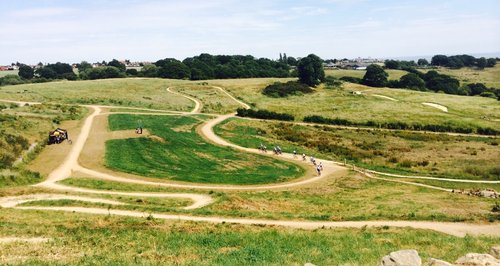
(375, 76)
(173, 69)
(310, 70)
(412, 81)
(26, 72)
(117, 64)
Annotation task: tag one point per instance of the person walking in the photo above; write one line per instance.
(303, 157)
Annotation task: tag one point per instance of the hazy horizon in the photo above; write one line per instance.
(54, 30)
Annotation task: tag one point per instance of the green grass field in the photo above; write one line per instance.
(350, 198)
(213, 100)
(150, 93)
(176, 152)
(184, 156)
(82, 239)
(21, 127)
(8, 72)
(489, 76)
(463, 111)
(399, 152)
(338, 73)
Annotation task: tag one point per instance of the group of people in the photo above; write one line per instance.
(277, 151)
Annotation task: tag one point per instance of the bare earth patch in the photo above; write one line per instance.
(34, 240)
(385, 97)
(438, 106)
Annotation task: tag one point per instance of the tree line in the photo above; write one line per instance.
(202, 67)
(376, 76)
(454, 61)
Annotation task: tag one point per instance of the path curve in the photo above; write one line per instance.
(71, 163)
(197, 104)
(385, 97)
(437, 106)
(246, 106)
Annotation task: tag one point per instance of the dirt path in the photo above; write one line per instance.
(385, 97)
(330, 167)
(437, 178)
(71, 163)
(455, 229)
(197, 104)
(246, 106)
(437, 106)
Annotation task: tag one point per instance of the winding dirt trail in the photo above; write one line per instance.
(330, 167)
(437, 106)
(197, 104)
(246, 106)
(385, 97)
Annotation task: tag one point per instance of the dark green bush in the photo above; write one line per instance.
(279, 89)
(264, 114)
(351, 80)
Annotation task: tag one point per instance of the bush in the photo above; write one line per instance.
(488, 94)
(400, 125)
(351, 80)
(279, 89)
(11, 80)
(264, 114)
(332, 82)
(329, 121)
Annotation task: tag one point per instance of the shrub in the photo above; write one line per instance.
(264, 114)
(279, 89)
(351, 80)
(329, 121)
(406, 164)
(332, 82)
(488, 94)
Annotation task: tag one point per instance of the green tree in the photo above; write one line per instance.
(310, 70)
(491, 62)
(422, 62)
(291, 61)
(412, 81)
(84, 65)
(117, 64)
(173, 69)
(392, 64)
(375, 76)
(439, 60)
(132, 72)
(46, 73)
(26, 72)
(481, 63)
(149, 71)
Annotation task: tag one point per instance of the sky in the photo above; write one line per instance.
(48, 31)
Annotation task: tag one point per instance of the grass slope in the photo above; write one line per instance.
(399, 152)
(185, 156)
(106, 240)
(463, 111)
(349, 198)
(150, 93)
